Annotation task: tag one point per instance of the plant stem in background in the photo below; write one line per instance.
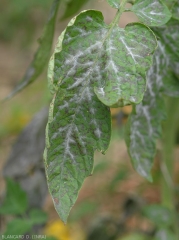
(167, 164)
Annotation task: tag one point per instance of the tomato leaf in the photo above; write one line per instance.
(126, 55)
(144, 124)
(42, 55)
(151, 12)
(169, 37)
(78, 122)
(175, 11)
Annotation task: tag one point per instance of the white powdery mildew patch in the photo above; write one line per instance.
(111, 49)
(77, 83)
(148, 118)
(129, 49)
(65, 105)
(68, 140)
(141, 44)
(87, 94)
(89, 19)
(98, 133)
(101, 91)
(145, 11)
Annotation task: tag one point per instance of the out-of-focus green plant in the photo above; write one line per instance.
(16, 204)
(21, 18)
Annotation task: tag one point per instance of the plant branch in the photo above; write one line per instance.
(167, 164)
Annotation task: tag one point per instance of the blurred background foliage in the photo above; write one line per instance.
(111, 204)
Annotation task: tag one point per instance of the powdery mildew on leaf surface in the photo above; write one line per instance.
(125, 58)
(144, 124)
(169, 36)
(175, 11)
(151, 12)
(90, 56)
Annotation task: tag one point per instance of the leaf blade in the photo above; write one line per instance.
(76, 111)
(41, 56)
(151, 13)
(144, 124)
(129, 57)
(88, 129)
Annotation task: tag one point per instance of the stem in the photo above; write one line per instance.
(119, 12)
(167, 164)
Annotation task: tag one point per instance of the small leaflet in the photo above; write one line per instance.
(151, 12)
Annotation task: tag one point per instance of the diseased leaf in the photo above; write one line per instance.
(169, 37)
(161, 216)
(170, 84)
(78, 122)
(151, 12)
(73, 7)
(16, 199)
(114, 3)
(125, 58)
(175, 10)
(144, 124)
(42, 55)
(58, 49)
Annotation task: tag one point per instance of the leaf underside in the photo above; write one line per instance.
(79, 123)
(151, 12)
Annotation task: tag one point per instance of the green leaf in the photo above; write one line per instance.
(18, 227)
(37, 216)
(161, 216)
(165, 234)
(144, 124)
(42, 55)
(125, 58)
(73, 7)
(175, 11)
(170, 83)
(52, 87)
(15, 201)
(151, 12)
(114, 3)
(78, 122)
(169, 37)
